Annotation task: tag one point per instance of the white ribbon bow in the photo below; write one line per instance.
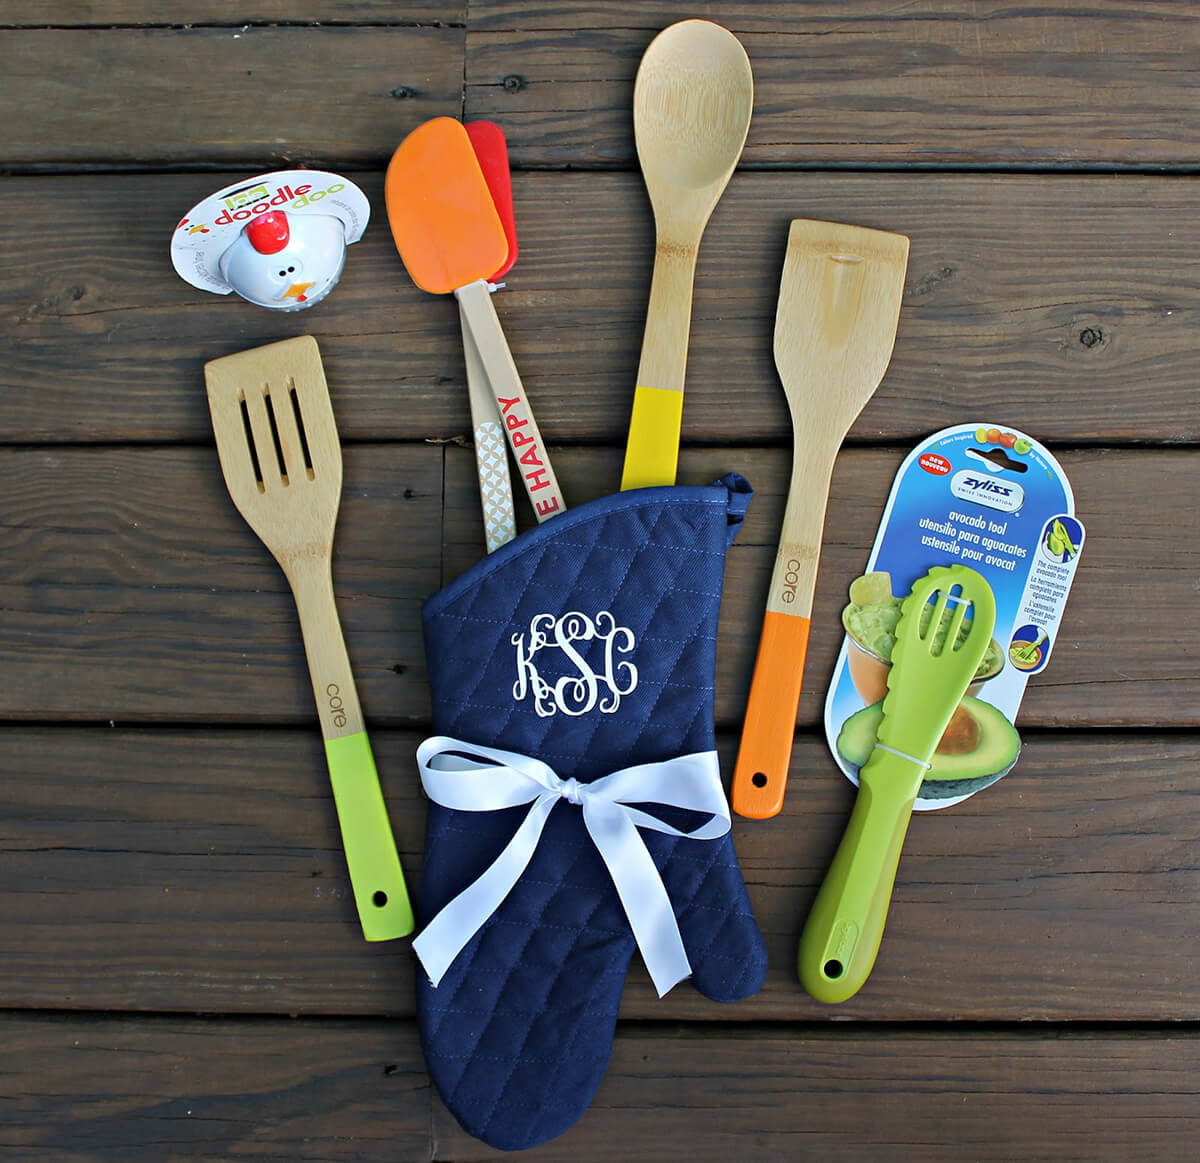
(472, 778)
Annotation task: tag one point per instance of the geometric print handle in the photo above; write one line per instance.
(491, 461)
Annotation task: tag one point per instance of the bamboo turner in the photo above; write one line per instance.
(839, 304)
(929, 675)
(279, 451)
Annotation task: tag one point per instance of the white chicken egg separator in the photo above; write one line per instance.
(279, 240)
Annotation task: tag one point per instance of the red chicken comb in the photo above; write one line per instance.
(269, 232)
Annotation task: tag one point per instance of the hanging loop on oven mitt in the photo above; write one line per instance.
(587, 645)
(473, 778)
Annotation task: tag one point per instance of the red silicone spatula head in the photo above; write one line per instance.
(441, 211)
(487, 139)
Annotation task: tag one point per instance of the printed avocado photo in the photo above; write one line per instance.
(978, 747)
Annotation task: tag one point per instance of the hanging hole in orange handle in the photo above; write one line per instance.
(760, 778)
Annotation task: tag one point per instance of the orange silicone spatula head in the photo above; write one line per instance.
(441, 212)
(491, 150)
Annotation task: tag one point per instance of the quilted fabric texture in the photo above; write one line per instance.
(519, 1032)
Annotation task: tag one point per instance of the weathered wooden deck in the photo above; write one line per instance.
(181, 970)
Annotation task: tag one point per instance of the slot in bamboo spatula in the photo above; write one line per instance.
(279, 451)
(839, 305)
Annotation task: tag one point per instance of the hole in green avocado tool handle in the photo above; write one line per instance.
(842, 935)
(375, 875)
(928, 678)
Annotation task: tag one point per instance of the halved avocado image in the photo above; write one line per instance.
(979, 746)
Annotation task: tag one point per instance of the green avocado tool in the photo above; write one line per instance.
(930, 674)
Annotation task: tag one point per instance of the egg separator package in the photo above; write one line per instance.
(993, 499)
(279, 239)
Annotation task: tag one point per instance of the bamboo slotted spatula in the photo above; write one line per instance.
(446, 228)
(931, 670)
(691, 112)
(839, 305)
(279, 451)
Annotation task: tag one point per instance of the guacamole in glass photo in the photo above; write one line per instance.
(870, 620)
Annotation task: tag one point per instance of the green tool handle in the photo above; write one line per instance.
(375, 875)
(842, 934)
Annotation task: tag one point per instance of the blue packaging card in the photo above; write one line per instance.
(996, 500)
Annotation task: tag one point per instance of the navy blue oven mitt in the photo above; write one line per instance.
(571, 675)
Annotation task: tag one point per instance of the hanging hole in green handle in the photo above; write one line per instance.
(833, 969)
(379, 899)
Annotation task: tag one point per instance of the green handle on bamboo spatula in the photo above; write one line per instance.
(842, 935)
(375, 875)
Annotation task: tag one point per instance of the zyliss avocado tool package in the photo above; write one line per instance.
(993, 499)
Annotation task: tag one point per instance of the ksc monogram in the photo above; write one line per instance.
(579, 692)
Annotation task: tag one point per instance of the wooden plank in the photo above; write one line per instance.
(87, 1088)
(949, 83)
(90, 1088)
(186, 870)
(106, 342)
(111, 13)
(1140, 556)
(1032, 301)
(194, 870)
(131, 588)
(200, 97)
(924, 1098)
(115, 551)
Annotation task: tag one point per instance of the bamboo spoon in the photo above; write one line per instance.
(839, 305)
(279, 452)
(691, 110)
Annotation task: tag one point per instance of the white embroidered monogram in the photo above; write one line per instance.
(583, 689)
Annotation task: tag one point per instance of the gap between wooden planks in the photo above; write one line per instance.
(1064, 306)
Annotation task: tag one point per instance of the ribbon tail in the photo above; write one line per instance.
(642, 892)
(445, 937)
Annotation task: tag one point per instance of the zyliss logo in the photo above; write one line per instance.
(938, 465)
(1007, 496)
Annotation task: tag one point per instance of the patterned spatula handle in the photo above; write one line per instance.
(491, 451)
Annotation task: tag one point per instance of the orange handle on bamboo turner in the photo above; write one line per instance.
(760, 778)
